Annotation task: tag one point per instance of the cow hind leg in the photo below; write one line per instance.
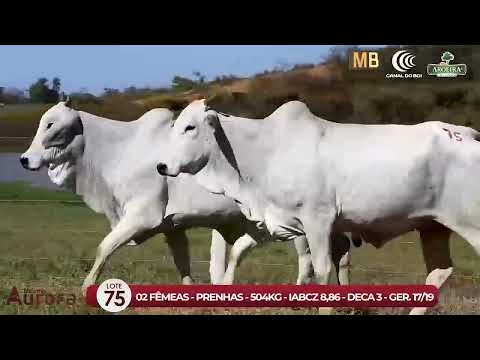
(178, 243)
(341, 258)
(436, 252)
(305, 267)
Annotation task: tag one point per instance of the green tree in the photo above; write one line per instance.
(52, 96)
(130, 90)
(180, 83)
(199, 76)
(39, 91)
(84, 97)
(56, 84)
(110, 92)
(447, 56)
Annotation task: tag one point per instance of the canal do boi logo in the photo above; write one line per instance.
(403, 62)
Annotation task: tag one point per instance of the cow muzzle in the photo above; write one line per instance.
(31, 163)
(24, 162)
(165, 170)
(162, 169)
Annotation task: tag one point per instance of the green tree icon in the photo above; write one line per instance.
(447, 57)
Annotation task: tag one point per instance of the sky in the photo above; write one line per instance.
(95, 67)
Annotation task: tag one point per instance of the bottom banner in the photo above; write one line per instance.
(116, 295)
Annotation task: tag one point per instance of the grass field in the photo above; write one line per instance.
(51, 245)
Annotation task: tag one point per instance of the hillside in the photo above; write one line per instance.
(329, 89)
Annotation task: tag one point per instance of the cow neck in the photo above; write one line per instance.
(231, 170)
(103, 137)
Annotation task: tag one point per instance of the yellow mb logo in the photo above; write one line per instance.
(364, 60)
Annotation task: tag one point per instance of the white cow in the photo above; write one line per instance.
(298, 174)
(112, 166)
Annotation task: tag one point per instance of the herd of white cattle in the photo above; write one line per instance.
(289, 176)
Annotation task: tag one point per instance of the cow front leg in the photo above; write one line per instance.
(305, 267)
(239, 249)
(318, 237)
(218, 257)
(178, 243)
(340, 257)
(120, 235)
(318, 232)
(436, 252)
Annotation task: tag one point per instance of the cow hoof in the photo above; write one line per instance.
(418, 311)
(187, 280)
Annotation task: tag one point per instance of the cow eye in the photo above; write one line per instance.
(189, 128)
(49, 125)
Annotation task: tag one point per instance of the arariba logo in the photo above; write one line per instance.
(446, 70)
(38, 297)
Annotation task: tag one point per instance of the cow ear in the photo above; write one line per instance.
(65, 99)
(77, 127)
(212, 119)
